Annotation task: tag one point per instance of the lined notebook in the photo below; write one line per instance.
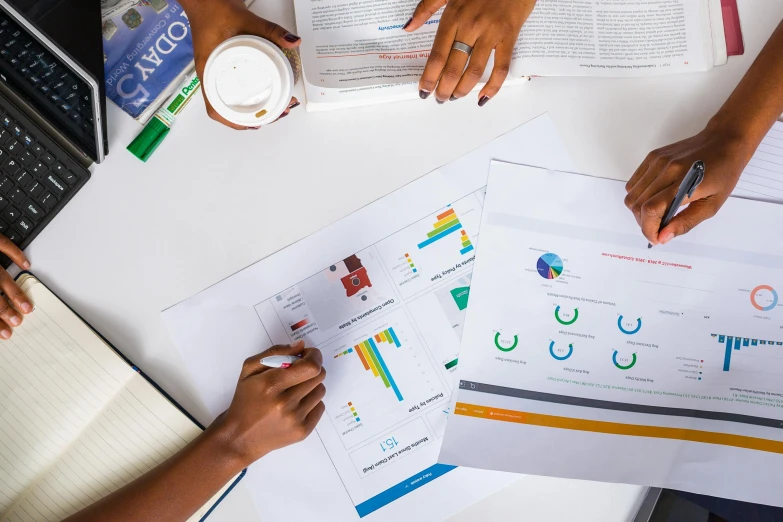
(76, 420)
(762, 179)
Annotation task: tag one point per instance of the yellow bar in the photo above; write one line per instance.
(615, 428)
(369, 360)
(445, 220)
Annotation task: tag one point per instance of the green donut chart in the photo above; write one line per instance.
(627, 367)
(566, 323)
(499, 347)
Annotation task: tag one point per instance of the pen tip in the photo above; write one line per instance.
(649, 245)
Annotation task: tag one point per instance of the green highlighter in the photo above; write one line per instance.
(159, 126)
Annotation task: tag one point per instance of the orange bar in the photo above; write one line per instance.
(615, 428)
(447, 213)
(361, 358)
(464, 233)
(378, 338)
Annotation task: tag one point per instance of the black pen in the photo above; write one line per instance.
(692, 179)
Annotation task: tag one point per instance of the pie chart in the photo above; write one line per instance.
(550, 266)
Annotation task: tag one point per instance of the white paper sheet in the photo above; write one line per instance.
(338, 288)
(762, 179)
(586, 355)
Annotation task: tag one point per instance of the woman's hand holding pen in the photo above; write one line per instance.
(655, 183)
(272, 407)
(481, 26)
(13, 304)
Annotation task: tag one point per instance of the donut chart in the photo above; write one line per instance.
(629, 331)
(501, 348)
(764, 298)
(560, 357)
(626, 367)
(566, 322)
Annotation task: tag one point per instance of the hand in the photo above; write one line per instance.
(482, 24)
(273, 407)
(215, 21)
(655, 183)
(14, 301)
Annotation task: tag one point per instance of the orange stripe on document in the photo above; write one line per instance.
(361, 357)
(447, 213)
(615, 428)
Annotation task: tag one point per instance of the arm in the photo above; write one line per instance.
(214, 21)
(484, 25)
(725, 145)
(272, 408)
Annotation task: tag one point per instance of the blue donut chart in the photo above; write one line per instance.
(560, 357)
(629, 332)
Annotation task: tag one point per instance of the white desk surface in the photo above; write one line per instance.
(141, 237)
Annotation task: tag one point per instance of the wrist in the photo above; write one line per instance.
(228, 443)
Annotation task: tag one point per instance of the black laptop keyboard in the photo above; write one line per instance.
(37, 178)
(54, 85)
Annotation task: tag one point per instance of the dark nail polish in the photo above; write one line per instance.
(294, 105)
(440, 102)
(407, 23)
(291, 37)
(424, 95)
(483, 101)
(283, 115)
(453, 98)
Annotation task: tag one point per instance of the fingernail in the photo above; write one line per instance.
(5, 334)
(666, 238)
(483, 101)
(424, 95)
(15, 320)
(291, 37)
(453, 98)
(283, 115)
(407, 23)
(440, 102)
(26, 265)
(294, 105)
(27, 308)
(298, 344)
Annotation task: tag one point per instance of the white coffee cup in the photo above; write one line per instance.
(248, 81)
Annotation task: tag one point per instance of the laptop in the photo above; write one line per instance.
(52, 109)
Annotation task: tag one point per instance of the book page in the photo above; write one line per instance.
(55, 376)
(350, 44)
(762, 179)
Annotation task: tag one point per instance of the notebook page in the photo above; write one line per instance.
(763, 177)
(137, 430)
(55, 377)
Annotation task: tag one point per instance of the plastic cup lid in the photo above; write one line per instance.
(248, 80)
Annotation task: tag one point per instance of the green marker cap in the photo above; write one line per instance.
(149, 139)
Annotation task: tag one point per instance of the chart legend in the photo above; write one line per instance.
(549, 266)
(410, 263)
(447, 223)
(346, 352)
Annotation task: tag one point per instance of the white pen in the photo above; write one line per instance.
(280, 361)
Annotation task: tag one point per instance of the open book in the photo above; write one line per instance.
(76, 420)
(356, 53)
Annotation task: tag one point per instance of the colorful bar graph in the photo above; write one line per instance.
(386, 376)
(447, 223)
(735, 343)
(372, 360)
(467, 246)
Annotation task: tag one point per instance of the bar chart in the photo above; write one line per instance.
(447, 223)
(732, 343)
(380, 372)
